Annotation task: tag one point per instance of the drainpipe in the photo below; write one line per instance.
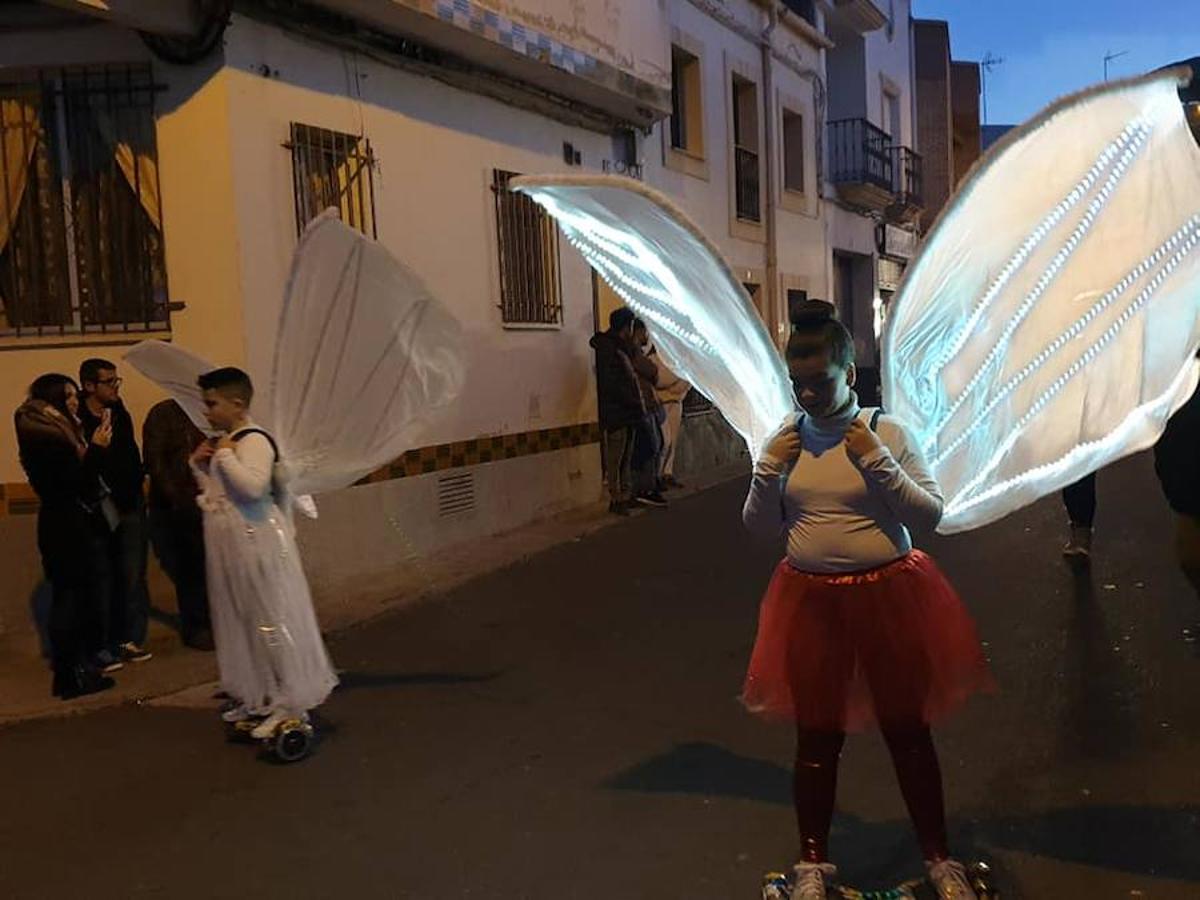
(769, 154)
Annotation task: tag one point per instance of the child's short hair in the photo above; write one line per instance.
(230, 381)
(815, 329)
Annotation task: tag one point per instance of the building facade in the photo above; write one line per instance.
(152, 198)
(160, 158)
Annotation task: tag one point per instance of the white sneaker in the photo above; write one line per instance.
(1079, 544)
(949, 880)
(810, 880)
(236, 713)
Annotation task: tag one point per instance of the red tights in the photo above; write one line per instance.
(917, 770)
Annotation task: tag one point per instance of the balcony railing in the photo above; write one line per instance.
(745, 164)
(861, 162)
(906, 175)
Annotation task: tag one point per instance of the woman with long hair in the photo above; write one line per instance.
(62, 469)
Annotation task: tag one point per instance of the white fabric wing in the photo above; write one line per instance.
(698, 314)
(175, 370)
(1050, 323)
(363, 353)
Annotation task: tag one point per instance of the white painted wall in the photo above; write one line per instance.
(436, 148)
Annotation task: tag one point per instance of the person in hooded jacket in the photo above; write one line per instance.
(621, 406)
(74, 507)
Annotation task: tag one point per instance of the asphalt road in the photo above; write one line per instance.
(567, 728)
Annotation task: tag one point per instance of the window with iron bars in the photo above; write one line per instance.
(530, 279)
(332, 169)
(81, 241)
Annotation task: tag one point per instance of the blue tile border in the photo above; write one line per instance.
(479, 20)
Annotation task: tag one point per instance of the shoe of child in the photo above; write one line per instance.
(235, 713)
(811, 880)
(267, 727)
(949, 880)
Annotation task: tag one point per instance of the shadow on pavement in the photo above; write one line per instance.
(1100, 716)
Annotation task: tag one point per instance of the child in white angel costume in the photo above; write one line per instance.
(272, 660)
(364, 354)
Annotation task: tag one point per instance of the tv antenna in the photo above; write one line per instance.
(989, 62)
(1109, 57)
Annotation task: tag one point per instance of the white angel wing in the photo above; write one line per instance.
(175, 370)
(1049, 324)
(664, 268)
(363, 353)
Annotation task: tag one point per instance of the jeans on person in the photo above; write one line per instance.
(647, 452)
(618, 462)
(118, 563)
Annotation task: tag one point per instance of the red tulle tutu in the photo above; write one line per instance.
(844, 652)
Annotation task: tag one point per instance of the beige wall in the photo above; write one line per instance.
(199, 222)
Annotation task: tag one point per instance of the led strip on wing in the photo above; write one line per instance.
(1139, 132)
(1127, 145)
(1116, 438)
(1185, 239)
(1075, 368)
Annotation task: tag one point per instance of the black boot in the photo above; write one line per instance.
(78, 680)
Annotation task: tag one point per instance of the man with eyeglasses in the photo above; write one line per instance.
(119, 557)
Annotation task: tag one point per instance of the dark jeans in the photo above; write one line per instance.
(647, 453)
(618, 462)
(1080, 500)
(178, 540)
(118, 563)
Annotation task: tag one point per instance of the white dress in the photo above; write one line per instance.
(269, 647)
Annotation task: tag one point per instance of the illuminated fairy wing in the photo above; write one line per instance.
(1050, 323)
(662, 266)
(363, 355)
(175, 370)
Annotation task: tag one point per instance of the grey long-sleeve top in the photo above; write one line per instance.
(838, 515)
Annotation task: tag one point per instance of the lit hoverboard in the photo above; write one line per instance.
(779, 886)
